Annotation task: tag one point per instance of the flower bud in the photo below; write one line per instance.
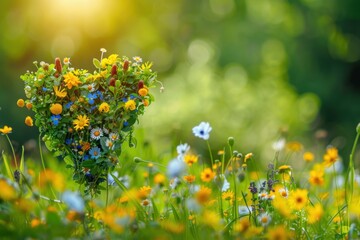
(358, 128)
(137, 160)
(112, 82)
(126, 65)
(114, 70)
(231, 141)
(140, 84)
(58, 66)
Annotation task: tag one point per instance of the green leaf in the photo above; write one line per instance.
(68, 160)
(88, 164)
(176, 215)
(96, 62)
(22, 164)
(7, 167)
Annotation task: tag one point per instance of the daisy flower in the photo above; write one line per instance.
(182, 149)
(96, 133)
(264, 219)
(202, 130)
(109, 144)
(114, 136)
(95, 152)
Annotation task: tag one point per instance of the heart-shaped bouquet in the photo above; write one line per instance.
(85, 117)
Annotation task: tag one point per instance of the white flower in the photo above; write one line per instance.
(202, 130)
(284, 192)
(109, 144)
(96, 133)
(111, 180)
(279, 145)
(137, 59)
(124, 180)
(176, 168)
(264, 219)
(225, 186)
(174, 183)
(74, 201)
(114, 136)
(182, 149)
(244, 210)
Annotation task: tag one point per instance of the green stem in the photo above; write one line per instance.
(211, 156)
(107, 188)
(13, 151)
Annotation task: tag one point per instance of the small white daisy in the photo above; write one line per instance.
(264, 219)
(114, 136)
(284, 192)
(137, 59)
(109, 144)
(96, 133)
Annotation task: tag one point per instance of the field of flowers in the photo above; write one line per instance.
(99, 180)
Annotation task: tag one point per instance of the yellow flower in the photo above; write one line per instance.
(189, 178)
(51, 178)
(61, 93)
(248, 156)
(299, 198)
(144, 192)
(130, 105)
(315, 213)
(190, 159)
(29, 105)
(317, 175)
(159, 179)
(66, 61)
(207, 175)
(284, 169)
(29, 121)
(6, 130)
(81, 122)
(71, 80)
(56, 109)
(228, 196)
(104, 107)
(308, 157)
(20, 103)
(7, 192)
(279, 233)
(211, 219)
(294, 146)
(203, 195)
(143, 91)
(331, 156)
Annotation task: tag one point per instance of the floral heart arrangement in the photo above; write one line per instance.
(85, 117)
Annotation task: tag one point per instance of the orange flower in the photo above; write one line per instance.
(207, 175)
(20, 103)
(190, 159)
(203, 195)
(71, 80)
(29, 121)
(143, 91)
(189, 178)
(331, 156)
(56, 109)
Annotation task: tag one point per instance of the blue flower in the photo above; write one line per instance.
(126, 123)
(68, 105)
(45, 89)
(68, 141)
(202, 130)
(91, 97)
(86, 157)
(55, 119)
(99, 95)
(94, 152)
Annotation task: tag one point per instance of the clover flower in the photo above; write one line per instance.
(202, 130)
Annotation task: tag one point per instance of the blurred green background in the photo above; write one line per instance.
(252, 68)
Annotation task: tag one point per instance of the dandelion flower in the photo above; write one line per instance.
(96, 133)
(20, 103)
(104, 107)
(29, 121)
(71, 80)
(202, 130)
(130, 105)
(81, 122)
(61, 93)
(95, 152)
(56, 109)
(264, 219)
(207, 175)
(6, 130)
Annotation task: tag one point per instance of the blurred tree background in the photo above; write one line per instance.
(252, 68)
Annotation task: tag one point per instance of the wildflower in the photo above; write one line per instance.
(143, 91)
(103, 50)
(212, 219)
(96, 133)
(242, 225)
(104, 107)
(190, 159)
(29, 105)
(74, 201)
(55, 119)
(175, 168)
(81, 122)
(49, 177)
(130, 105)
(189, 178)
(315, 213)
(114, 136)
(279, 233)
(331, 156)
(299, 198)
(317, 175)
(6, 130)
(58, 66)
(35, 222)
(7, 192)
(20, 103)
(182, 149)
(264, 219)
(203, 195)
(29, 121)
(244, 210)
(279, 145)
(207, 175)
(66, 61)
(61, 93)
(159, 179)
(248, 156)
(71, 80)
(283, 192)
(144, 192)
(137, 59)
(308, 157)
(95, 152)
(202, 130)
(146, 202)
(228, 196)
(109, 144)
(56, 109)
(294, 146)
(284, 169)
